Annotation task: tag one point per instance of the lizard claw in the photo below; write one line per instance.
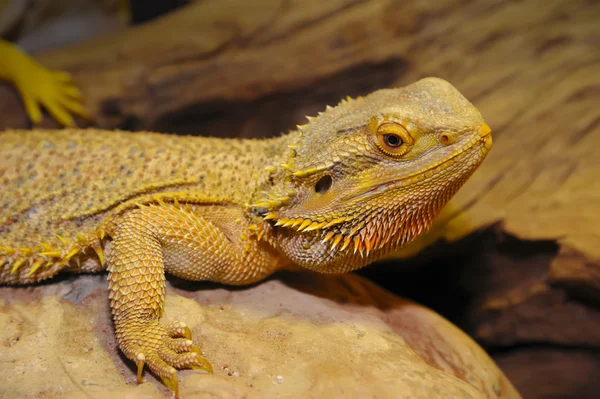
(201, 363)
(140, 361)
(172, 383)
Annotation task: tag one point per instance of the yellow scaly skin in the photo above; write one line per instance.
(358, 181)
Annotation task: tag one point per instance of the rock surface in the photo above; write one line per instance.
(297, 335)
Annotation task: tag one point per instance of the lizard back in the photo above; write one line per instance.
(67, 183)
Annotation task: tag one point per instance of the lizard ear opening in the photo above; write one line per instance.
(324, 184)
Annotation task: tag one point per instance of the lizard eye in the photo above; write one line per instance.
(393, 139)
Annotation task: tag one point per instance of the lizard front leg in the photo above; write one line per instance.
(147, 240)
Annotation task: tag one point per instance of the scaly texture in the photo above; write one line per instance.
(358, 181)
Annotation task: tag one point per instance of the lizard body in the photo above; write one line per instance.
(358, 181)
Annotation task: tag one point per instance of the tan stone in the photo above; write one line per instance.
(302, 335)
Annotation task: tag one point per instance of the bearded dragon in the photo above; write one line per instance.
(358, 181)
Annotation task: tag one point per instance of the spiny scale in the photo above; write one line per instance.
(47, 256)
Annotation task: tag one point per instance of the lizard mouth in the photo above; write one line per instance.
(479, 147)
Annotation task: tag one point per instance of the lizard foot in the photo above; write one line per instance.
(54, 90)
(39, 86)
(163, 349)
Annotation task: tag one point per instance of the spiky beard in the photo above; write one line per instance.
(389, 228)
(364, 236)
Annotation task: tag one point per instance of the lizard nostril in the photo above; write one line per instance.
(447, 138)
(323, 184)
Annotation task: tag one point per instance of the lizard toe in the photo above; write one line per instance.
(179, 329)
(180, 360)
(179, 345)
(159, 366)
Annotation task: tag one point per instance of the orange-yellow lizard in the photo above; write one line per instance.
(358, 181)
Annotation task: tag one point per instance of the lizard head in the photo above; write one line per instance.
(369, 175)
